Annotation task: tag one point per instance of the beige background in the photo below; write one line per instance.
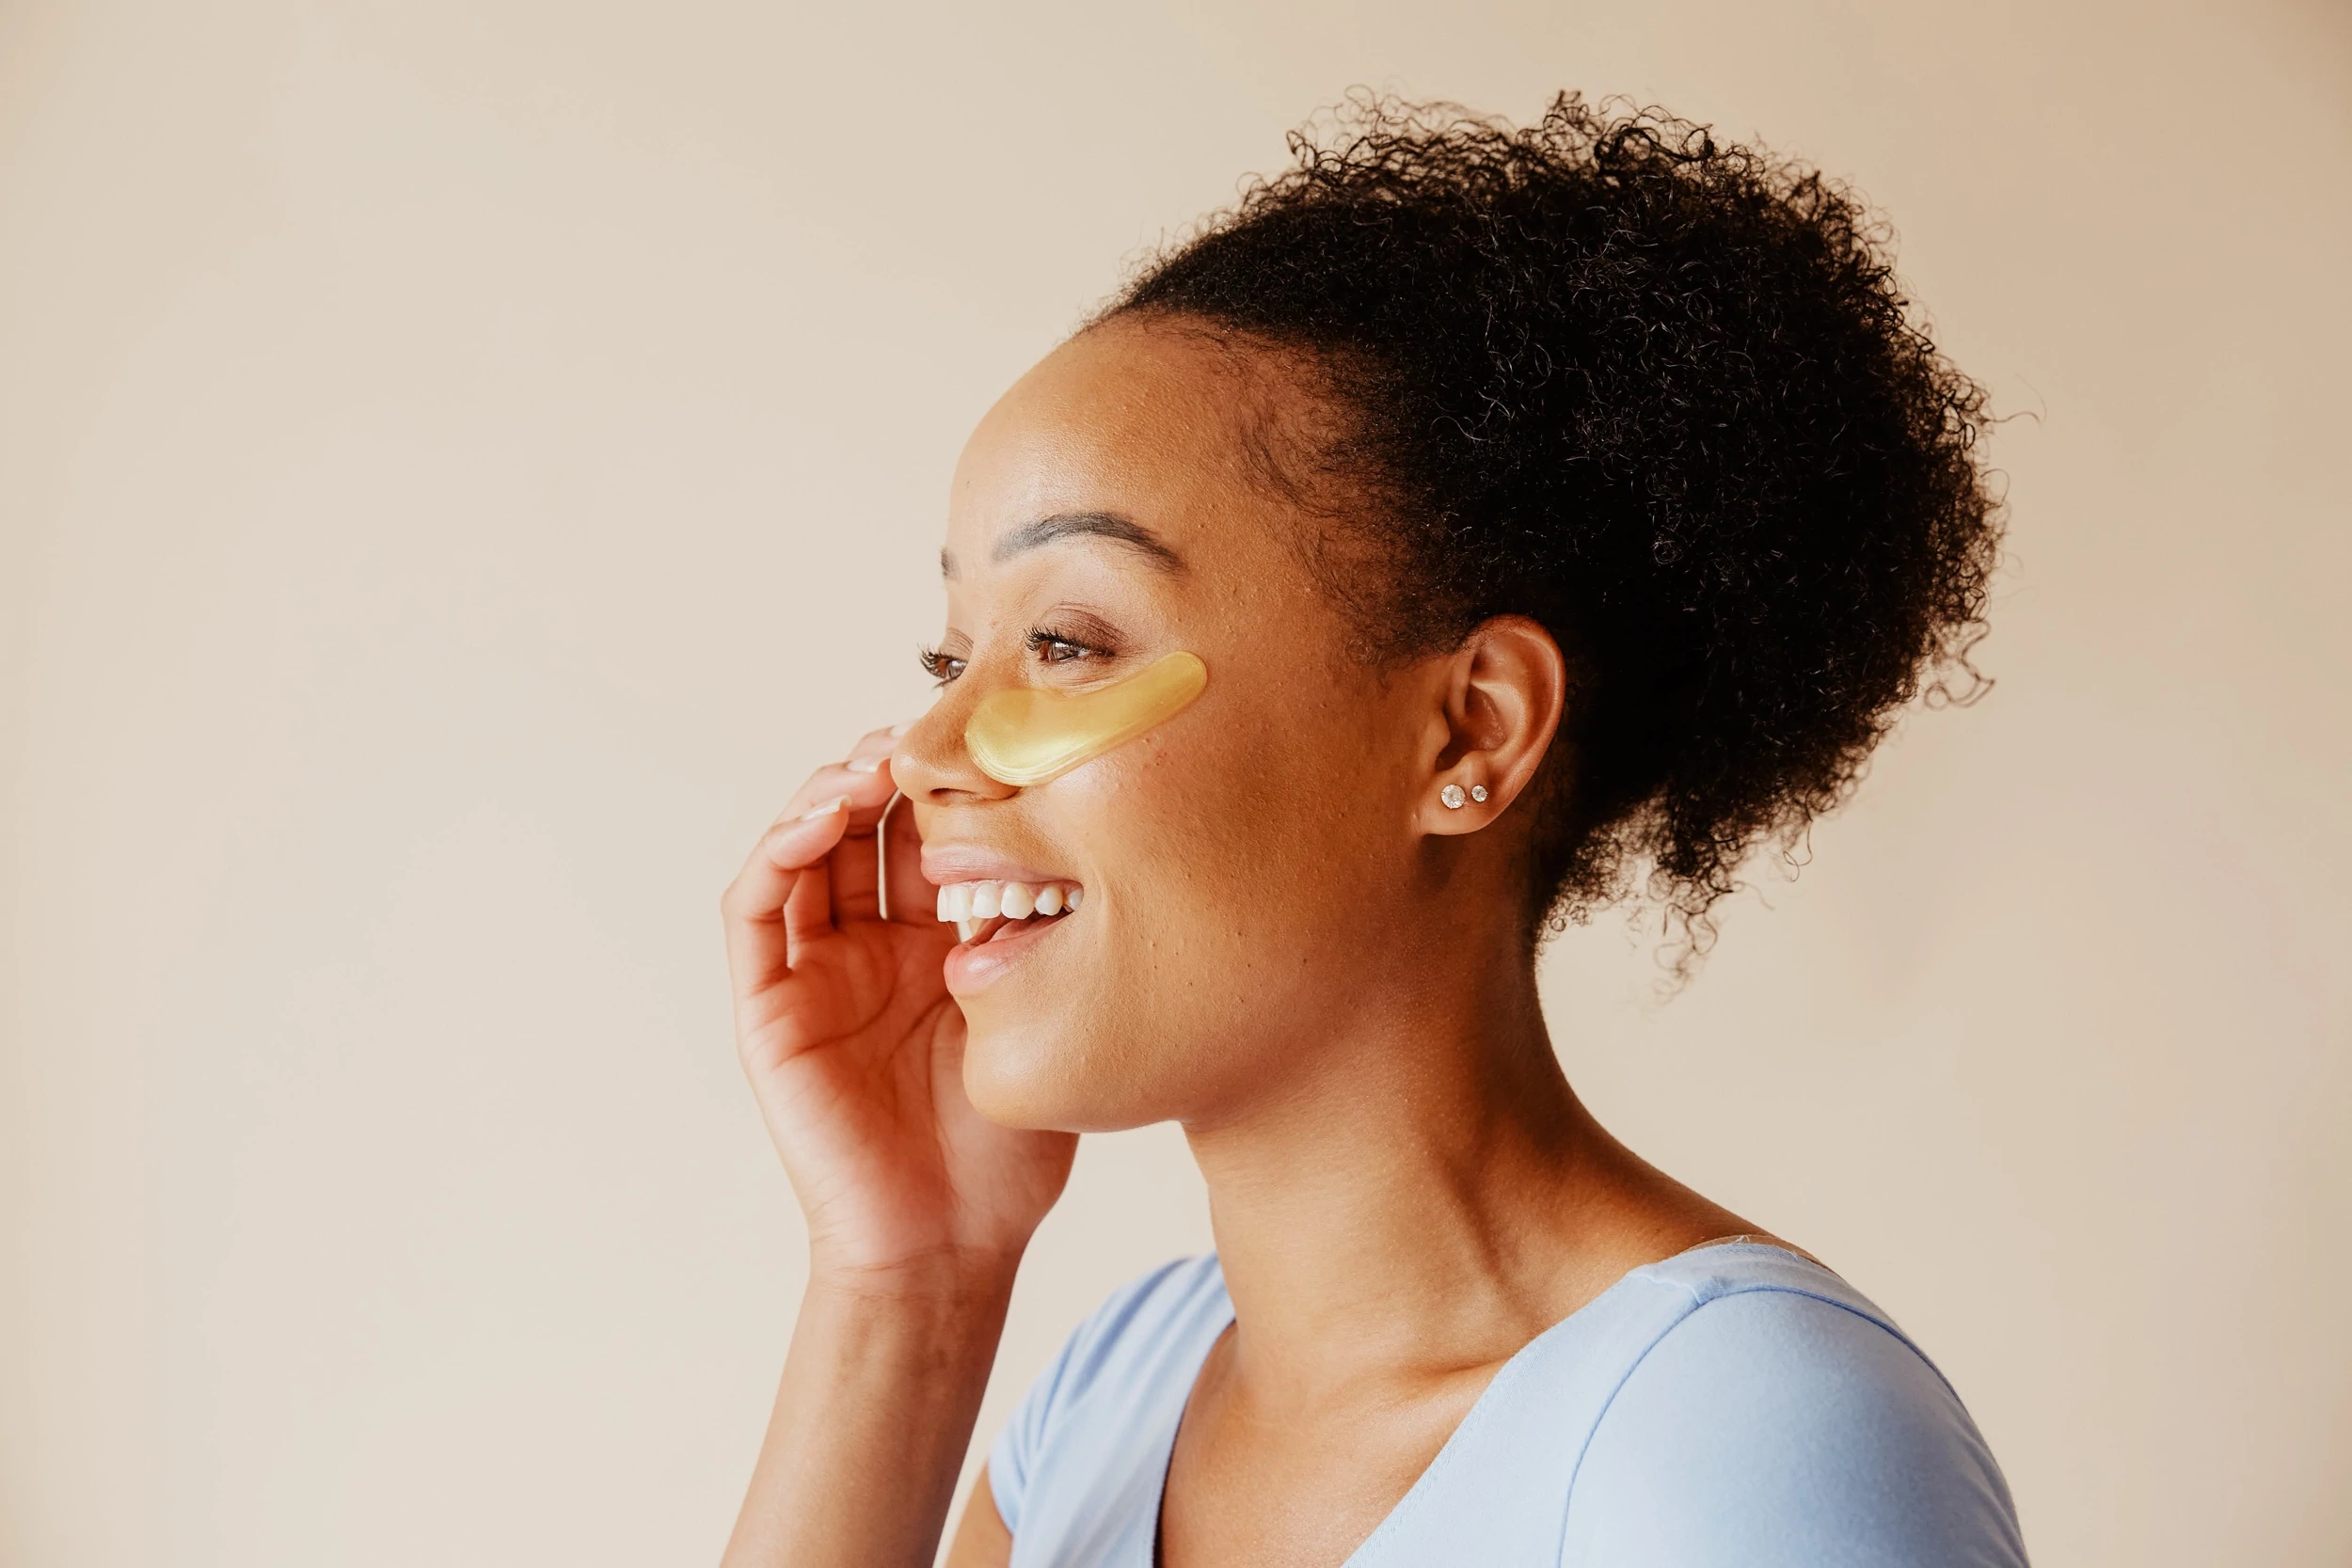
(461, 463)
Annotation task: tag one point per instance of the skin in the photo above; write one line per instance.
(1288, 945)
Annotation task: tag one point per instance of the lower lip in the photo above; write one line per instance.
(974, 966)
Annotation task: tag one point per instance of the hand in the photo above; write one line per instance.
(855, 1050)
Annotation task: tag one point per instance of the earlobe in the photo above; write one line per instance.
(1502, 702)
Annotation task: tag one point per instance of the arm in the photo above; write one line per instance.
(981, 1541)
(870, 1425)
(918, 1208)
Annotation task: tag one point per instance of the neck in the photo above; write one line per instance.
(1426, 1197)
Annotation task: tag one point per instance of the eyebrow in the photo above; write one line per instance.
(1069, 525)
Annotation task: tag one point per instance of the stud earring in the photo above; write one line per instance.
(1453, 796)
(1478, 793)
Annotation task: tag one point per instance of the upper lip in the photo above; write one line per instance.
(944, 863)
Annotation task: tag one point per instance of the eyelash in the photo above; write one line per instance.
(1042, 637)
(944, 668)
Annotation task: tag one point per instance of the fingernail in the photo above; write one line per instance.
(865, 765)
(898, 730)
(827, 809)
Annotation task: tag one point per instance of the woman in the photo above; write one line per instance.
(1475, 526)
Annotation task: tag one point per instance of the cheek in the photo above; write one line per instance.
(1248, 828)
(1232, 877)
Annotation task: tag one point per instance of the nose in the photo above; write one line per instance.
(931, 764)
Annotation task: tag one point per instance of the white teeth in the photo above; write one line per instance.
(1072, 902)
(966, 930)
(968, 904)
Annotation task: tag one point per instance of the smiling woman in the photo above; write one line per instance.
(1477, 525)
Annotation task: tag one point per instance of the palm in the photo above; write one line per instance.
(855, 1052)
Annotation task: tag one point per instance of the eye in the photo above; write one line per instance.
(941, 668)
(1053, 647)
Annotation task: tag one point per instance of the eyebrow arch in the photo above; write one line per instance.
(1102, 525)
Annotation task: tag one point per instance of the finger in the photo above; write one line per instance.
(873, 749)
(853, 866)
(856, 866)
(754, 904)
(914, 900)
(867, 790)
(875, 744)
(808, 907)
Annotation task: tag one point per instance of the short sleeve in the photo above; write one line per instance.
(1772, 1428)
(1011, 1458)
(1130, 1351)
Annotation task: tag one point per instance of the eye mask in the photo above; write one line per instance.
(1024, 736)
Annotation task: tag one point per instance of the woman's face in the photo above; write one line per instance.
(1246, 867)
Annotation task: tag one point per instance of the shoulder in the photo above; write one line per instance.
(1780, 1416)
(1133, 1356)
(1151, 1319)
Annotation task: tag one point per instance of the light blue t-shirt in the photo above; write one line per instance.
(1736, 1404)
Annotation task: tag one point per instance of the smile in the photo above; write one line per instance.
(962, 901)
(998, 922)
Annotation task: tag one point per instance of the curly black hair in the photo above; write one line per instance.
(1660, 392)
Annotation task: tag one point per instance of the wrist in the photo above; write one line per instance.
(923, 1281)
(936, 1323)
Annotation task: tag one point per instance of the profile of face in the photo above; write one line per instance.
(1275, 850)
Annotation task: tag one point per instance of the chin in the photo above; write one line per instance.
(1036, 1076)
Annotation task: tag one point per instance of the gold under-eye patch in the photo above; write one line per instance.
(1023, 735)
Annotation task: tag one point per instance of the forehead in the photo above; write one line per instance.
(1142, 425)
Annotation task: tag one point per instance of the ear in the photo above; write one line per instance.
(1500, 695)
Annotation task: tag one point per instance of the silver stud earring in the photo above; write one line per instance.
(1453, 796)
(1478, 793)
